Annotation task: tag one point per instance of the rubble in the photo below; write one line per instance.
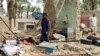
(63, 48)
(76, 48)
(29, 50)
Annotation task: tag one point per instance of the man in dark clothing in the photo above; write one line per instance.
(45, 28)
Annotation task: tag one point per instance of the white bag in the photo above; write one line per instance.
(47, 44)
(60, 37)
(10, 50)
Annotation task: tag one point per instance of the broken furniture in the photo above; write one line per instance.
(86, 41)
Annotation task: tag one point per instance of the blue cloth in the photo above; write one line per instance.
(45, 28)
(37, 15)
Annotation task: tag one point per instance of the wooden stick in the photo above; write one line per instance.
(8, 27)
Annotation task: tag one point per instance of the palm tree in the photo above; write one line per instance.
(90, 4)
(21, 11)
(28, 9)
(23, 8)
(13, 7)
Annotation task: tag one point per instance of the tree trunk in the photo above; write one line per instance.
(19, 11)
(15, 11)
(21, 15)
(28, 8)
(10, 11)
(10, 22)
(27, 13)
(78, 35)
(14, 21)
(51, 12)
(92, 5)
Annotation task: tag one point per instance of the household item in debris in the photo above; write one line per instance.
(49, 50)
(18, 41)
(98, 42)
(25, 42)
(65, 32)
(52, 50)
(37, 15)
(37, 43)
(59, 37)
(1, 44)
(71, 33)
(30, 40)
(93, 38)
(86, 41)
(47, 44)
(82, 25)
(12, 42)
(10, 50)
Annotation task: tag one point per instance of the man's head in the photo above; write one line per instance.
(93, 15)
(45, 15)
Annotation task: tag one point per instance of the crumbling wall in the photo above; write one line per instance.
(71, 9)
(68, 9)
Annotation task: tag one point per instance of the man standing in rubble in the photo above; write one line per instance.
(93, 23)
(45, 28)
